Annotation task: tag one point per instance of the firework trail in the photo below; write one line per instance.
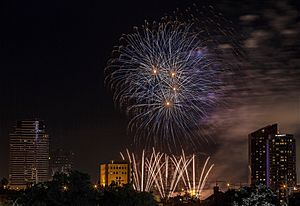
(163, 173)
(144, 169)
(167, 76)
(169, 173)
(190, 180)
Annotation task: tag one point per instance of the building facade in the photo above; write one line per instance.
(29, 154)
(61, 161)
(272, 160)
(118, 173)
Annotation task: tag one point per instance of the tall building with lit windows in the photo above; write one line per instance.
(272, 160)
(117, 172)
(29, 154)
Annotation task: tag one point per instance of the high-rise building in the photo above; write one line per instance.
(61, 161)
(118, 173)
(272, 160)
(29, 154)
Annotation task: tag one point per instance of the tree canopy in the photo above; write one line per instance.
(259, 195)
(75, 189)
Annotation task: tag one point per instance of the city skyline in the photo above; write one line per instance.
(54, 65)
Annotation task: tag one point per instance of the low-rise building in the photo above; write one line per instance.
(117, 172)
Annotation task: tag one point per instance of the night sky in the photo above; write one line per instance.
(53, 53)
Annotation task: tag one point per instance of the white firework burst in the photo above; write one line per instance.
(166, 79)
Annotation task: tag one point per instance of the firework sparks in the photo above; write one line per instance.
(163, 173)
(196, 189)
(166, 80)
(169, 77)
(145, 169)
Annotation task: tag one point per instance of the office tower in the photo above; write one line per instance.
(272, 160)
(29, 154)
(118, 173)
(61, 161)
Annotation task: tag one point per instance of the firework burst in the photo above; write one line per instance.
(167, 77)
